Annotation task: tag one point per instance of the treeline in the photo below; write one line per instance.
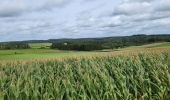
(107, 43)
(14, 45)
(87, 44)
(80, 46)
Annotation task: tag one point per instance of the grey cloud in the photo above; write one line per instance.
(162, 5)
(129, 8)
(139, 0)
(140, 10)
(82, 18)
(10, 8)
(129, 16)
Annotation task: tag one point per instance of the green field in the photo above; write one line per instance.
(157, 45)
(38, 53)
(133, 73)
(135, 77)
(35, 52)
(40, 45)
(166, 44)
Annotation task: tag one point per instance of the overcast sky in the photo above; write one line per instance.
(50, 19)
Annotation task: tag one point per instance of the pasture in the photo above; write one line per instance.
(36, 53)
(145, 76)
(133, 73)
(166, 44)
(40, 45)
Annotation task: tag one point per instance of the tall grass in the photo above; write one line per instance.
(138, 77)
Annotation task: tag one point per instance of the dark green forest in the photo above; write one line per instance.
(88, 44)
(108, 42)
(13, 45)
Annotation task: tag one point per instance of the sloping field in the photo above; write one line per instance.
(166, 44)
(37, 54)
(40, 45)
(28, 54)
(134, 73)
(135, 77)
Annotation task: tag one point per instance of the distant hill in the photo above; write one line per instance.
(153, 38)
(99, 43)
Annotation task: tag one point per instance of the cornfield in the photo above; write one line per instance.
(137, 77)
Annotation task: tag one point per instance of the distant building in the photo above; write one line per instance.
(65, 43)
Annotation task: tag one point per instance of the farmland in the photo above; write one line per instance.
(40, 45)
(166, 44)
(138, 72)
(85, 50)
(37, 53)
(142, 76)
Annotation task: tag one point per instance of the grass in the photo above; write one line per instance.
(40, 45)
(42, 55)
(37, 53)
(135, 73)
(50, 53)
(164, 44)
(137, 77)
(26, 51)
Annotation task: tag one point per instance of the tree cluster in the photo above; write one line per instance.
(108, 43)
(85, 46)
(14, 45)
(88, 44)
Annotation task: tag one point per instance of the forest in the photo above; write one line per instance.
(88, 44)
(14, 45)
(108, 42)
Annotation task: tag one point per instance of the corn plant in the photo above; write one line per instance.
(137, 77)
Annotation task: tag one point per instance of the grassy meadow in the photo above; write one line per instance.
(38, 51)
(40, 45)
(166, 44)
(133, 73)
(35, 52)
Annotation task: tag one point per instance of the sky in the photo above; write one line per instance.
(54, 19)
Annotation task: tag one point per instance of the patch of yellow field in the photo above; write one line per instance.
(125, 51)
